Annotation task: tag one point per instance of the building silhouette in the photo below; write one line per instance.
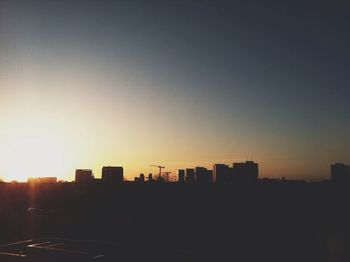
(210, 176)
(83, 175)
(340, 172)
(199, 174)
(203, 175)
(181, 176)
(140, 179)
(245, 172)
(190, 175)
(112, 174)
(220, 173)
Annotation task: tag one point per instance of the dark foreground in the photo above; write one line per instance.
(170, 222)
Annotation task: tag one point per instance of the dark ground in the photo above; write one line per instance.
(260, 222)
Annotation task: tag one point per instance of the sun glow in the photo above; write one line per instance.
(33, 155)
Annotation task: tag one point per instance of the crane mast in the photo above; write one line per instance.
(160, 170)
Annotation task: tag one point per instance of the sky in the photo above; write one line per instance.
(84, 84)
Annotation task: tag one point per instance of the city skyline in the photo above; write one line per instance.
(216, 173)
(178, 83)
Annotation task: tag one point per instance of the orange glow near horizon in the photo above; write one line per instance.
(49, 128)
(33, 156)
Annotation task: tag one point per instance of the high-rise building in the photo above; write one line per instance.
(210, 175)
(190, 175)
(112, 174)
(245, 172)
(340, 172)
(83, 175)
(181, 176)
(220, 173)
(202, 175)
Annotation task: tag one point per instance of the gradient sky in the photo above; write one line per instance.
(177, 83)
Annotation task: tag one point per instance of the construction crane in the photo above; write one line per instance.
(160, 170)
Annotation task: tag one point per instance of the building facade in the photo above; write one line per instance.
(340, 172)
(190, 175)
(220, 173)
(245, 172)
(83, 175)
(112, 174)
(181, 176)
